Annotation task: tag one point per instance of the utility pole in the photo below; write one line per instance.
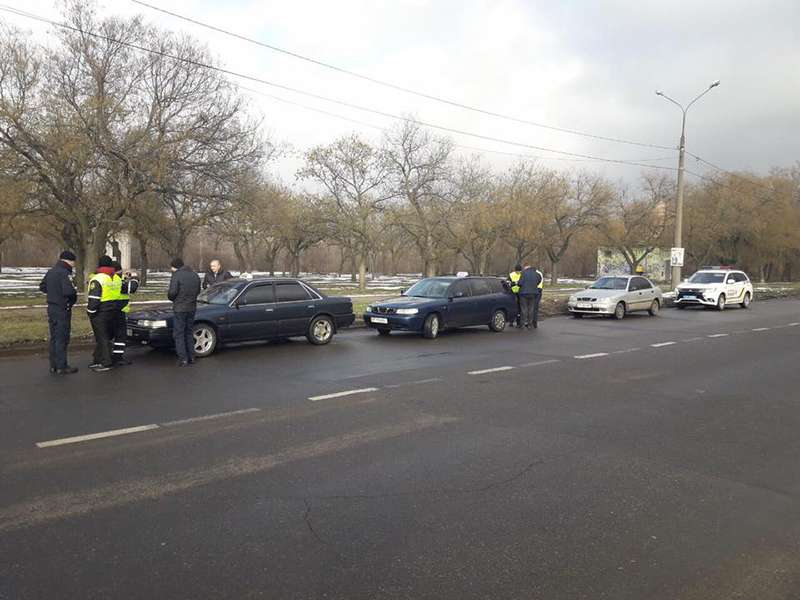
(678, 239)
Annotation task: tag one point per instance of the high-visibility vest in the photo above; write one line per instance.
(541, 279)
(110, 286)
(515, 276)
(122, 296)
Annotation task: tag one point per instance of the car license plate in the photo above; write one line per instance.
(584, 305)
(690, 297)
(381, 320)
(129, 332)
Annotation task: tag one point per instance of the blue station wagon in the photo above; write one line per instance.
(243, 310)
(438, 303)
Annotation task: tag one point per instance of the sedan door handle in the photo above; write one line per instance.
(269, 310)
(311, 306)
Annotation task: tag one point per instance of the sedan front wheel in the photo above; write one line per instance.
(619, 311)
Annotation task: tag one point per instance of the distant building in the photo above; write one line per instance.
(655, 265)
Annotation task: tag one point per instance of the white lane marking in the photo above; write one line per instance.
(420, 382)
(493, 370)
(717, 335)
(694, 339)
(793, 324)
(761, 329)
(662, 344)
(540, 362)
(595, 355)
(209, 417)
(95, 436)
(340, 394)
(628, 351)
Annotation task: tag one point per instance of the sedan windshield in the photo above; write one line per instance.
(707, 278)
(429, 288)
(610, 283)
(218, 294)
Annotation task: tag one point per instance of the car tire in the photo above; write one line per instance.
(320, 330)
(721, 302)
(619, 311)
(205, 340)
(654, 308)
(577, 315)
(498, 322)
(432, 327)
(384, 332)
(746, 301)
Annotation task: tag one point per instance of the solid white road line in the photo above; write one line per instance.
(209, 417)
(595, 355)
(493, 370)
(95, 436)
(340, 394)
(761, 329)
(662, 344)
(716, 335)
(540, 362)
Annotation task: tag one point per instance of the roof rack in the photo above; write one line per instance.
(717, 268)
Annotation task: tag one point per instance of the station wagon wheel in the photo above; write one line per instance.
(431, 328)
(320, 331)
(205, 339)
(721, 302)
(654, 308)
(746, 301)
(498, 322)
(619, 311)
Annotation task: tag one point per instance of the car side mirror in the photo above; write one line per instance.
(402, 292)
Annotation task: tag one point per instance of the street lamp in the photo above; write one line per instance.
(676, 271)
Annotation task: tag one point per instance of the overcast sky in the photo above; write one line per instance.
(588, 65)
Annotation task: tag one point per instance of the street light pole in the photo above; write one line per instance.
(678, 239)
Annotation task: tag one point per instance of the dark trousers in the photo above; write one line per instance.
(530, 309)
(59, 319)
(103, 329)
(120, 335)
(518, 318)
(182, 331)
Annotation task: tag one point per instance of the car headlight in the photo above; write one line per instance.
(604, 301)
(407, 311)
(153, 324)
(369, 309)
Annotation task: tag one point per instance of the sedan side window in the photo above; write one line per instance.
(642, 284)
(258, 294)
(290, 292)
(633, 285)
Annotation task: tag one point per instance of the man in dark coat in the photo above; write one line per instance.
(215, 274)
(530, 294)
(59, 285)
(184, 287)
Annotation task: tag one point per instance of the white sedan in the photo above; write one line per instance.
(617, 296)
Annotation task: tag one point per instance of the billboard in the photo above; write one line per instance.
(655, 265)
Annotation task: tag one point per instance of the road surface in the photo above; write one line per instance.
(644, 459)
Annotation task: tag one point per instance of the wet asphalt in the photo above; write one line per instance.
(648, 458)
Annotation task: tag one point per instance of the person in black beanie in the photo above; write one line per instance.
(184, 287)
(59, 285)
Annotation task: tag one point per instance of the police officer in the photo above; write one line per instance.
(59, 285)
(102, 306)
(514, 278)
(531, 285)
(128, 285)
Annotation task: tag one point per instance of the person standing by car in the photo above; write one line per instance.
(514, 278)
(102, 308)
(184, 287)
(128, 285)
(530, 294)
(216, 274)
(59, 285)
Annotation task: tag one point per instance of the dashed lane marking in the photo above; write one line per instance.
(662, 344)
(628, 351)
(232, 413)
(493, 370)
(793, 324)
(718, 335)
(341, 394)
(761, 329)
(595, 355)
(420, 382)
(694, 339)
(539, 363)
(95, 436)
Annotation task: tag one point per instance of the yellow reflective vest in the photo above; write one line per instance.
(111, 286)
(515, 276)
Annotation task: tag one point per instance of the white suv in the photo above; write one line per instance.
(715, 286)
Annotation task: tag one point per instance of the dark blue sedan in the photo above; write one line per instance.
(243, 310)
(438, 303)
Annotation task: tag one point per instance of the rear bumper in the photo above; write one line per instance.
(157, 338)
(395, 322)
(343, 321)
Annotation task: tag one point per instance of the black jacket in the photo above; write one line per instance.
(184, 286)
(59, 286)
(212, 278)
(529, 282)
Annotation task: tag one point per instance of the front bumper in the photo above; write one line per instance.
(395, 322)
(596, 308)
(145, 336)
(698, 299)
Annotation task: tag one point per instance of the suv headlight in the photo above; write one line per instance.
(368, 309)
(153, 324)
(407, 311)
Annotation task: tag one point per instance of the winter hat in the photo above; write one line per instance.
(105, 261)
(176, 263)
(117, 265)
(67, 255)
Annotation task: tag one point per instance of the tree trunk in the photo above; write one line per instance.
(237, 250)
(352, 269)
(144, 263)
(362, 273)
(482, 265)
(553, 272)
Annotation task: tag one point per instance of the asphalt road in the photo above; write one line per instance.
(653, 458)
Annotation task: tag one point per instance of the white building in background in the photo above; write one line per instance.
(119, 247)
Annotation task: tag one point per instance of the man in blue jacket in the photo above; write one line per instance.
(59, 285)
(530, 294)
